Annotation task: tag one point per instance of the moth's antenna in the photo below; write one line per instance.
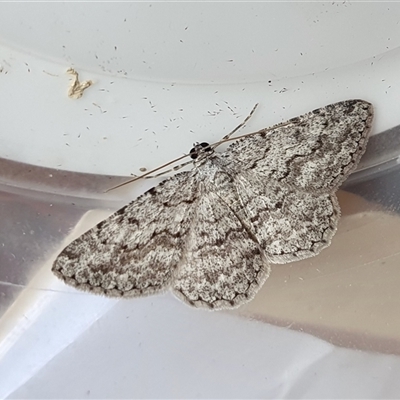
(149, 172)
(271, 128)
(226, 138)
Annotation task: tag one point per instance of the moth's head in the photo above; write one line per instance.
(200, 151)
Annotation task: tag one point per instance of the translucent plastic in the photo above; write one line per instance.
(167, 75)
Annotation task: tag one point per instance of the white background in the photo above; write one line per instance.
(166, 75)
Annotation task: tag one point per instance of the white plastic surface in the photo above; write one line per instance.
(169, 74)
(166, 75)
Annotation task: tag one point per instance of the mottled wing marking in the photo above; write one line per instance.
(290, 225)
(223, 266)
(136, 250)
(315, 152)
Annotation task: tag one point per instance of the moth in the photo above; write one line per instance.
(211, 233)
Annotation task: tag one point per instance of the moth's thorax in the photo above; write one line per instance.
(207, 159)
